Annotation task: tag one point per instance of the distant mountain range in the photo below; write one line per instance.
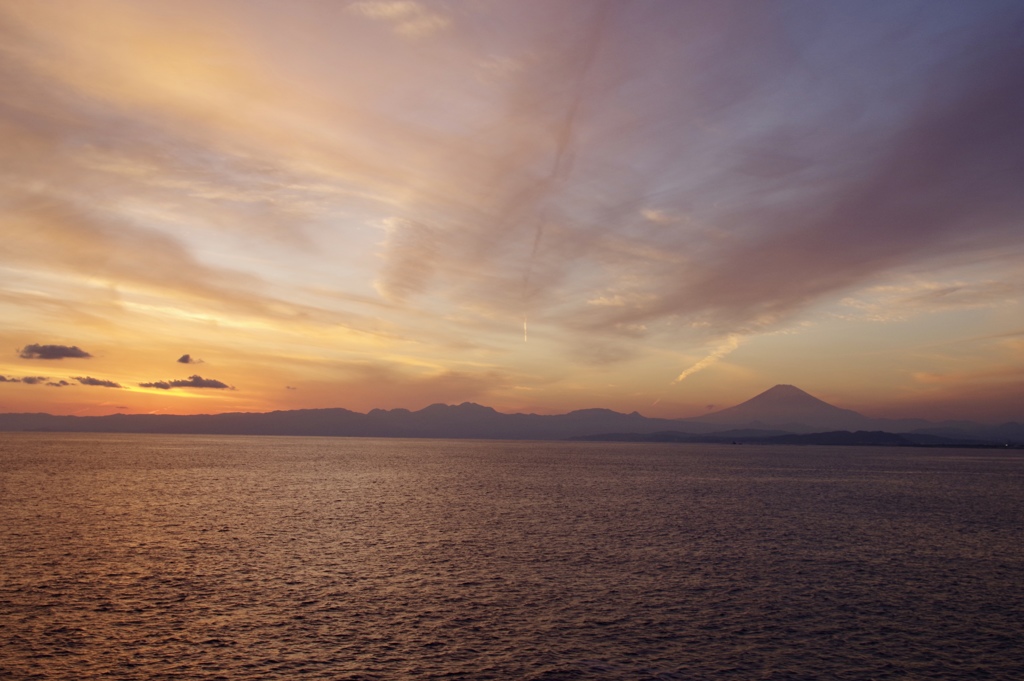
(783, 414)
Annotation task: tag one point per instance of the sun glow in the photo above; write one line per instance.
(398, 203)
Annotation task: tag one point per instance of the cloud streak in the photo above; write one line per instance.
(730, 344)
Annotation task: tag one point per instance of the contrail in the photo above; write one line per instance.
(564, 155)
(730, 344)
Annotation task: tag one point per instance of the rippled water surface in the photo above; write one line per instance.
(192, 557)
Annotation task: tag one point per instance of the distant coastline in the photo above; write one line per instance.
(840, 438)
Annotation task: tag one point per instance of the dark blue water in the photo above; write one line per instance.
(191, 557)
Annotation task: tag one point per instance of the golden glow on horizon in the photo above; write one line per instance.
(391, 204)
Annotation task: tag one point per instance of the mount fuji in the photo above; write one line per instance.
(786, 407)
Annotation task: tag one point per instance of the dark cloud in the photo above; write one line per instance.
(194, 381)
(57, 384)
(188, 359)
(162, 385)
(940, 176)
(89, 380)
(290, 387)
(33, 380)
(36, 351)
(5, 379)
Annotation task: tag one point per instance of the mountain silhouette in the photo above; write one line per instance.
(787, 407)
(781, 410)
(466, 420)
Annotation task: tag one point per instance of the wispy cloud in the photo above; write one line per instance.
(600, 169)
(408, 17)
(900, 301)
(730, 344)
(410, 258)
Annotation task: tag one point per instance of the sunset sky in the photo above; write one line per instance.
(539, 206)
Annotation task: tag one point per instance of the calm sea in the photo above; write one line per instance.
(195, 557)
